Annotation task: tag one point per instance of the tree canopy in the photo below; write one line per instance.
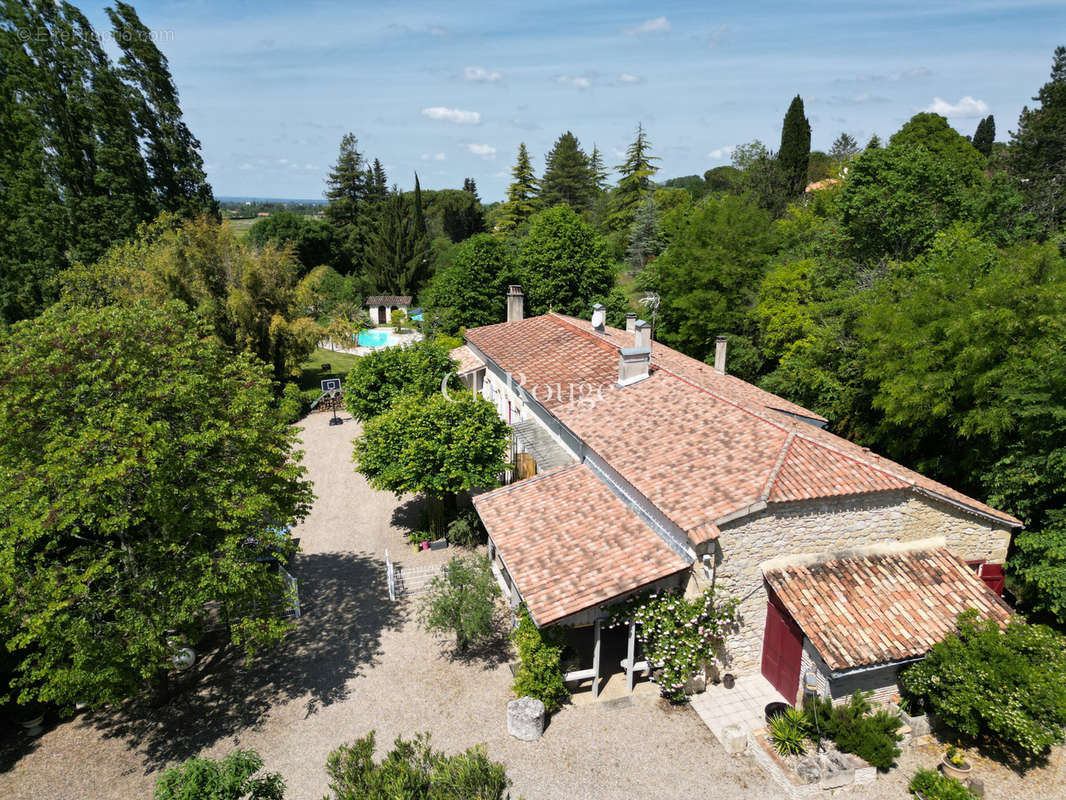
(634, 183)
(470, 290)
(568, 175)
(382, 377)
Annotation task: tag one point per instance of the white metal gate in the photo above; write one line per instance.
(408, 581)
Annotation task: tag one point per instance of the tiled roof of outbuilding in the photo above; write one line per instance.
(881, 608)
(388, 300)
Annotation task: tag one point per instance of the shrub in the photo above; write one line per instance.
(540, 672)
(232, 778)
(872, 737)
(396, 319)
(1008, 686)
(461, 601)
(466, 530)
(788, 733)
(931, 785)
(291, 407)
(413, 771)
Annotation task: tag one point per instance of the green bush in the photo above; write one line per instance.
(466, 530)
(540, 672)
(413, 771)
(931, 785)
(232, 778)
(462, 601)
(1007, 687)
(291, 407)
(788, 733)
(872, 737)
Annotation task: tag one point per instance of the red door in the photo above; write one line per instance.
(782, 649)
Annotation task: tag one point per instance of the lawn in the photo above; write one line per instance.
(240, 227)
(311, 370)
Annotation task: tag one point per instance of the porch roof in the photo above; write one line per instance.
(880, 608)
(569, 543)
(468, 362)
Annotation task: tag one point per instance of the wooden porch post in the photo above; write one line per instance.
(596, 659)
(631, 654)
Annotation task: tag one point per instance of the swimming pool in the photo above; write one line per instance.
(375, 339)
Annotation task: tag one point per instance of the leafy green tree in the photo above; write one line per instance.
(470, 290)
(820, 166)
(1037, 152)
(521, 194)
(985, 136)
(412, 770)
(455, 214)
(145, 500)
(462, 601)
(873, 143)
(722, 179)
(760, 175)
(312, 239)
(844, 149)
(1006, 687)
(568, 176)
(645, 237)
(948, 147)
(795, 151)
(634, 183)
(1038, 566)
(563, 263)
(231, 778)
(436, 446)
(380, 378)
(710, 273)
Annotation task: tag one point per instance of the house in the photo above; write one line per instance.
(381, 306)
(644, 469)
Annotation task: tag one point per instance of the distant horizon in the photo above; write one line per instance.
(450, 89)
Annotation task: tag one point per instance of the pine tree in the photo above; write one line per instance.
(174, 159)
(985, 136)
(397, 253)
(1037, 153)
(874, 143)
(795, 151)
(844, 149)
(470, 187)
(645, 237)
(521, 194)
(567, 176)
(635, 183)
(347, 185)
(598, 170)
(379, 186)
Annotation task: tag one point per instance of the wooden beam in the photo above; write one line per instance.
(631, 654)
(596, 659)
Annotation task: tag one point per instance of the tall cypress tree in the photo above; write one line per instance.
(1037, 152)
(174, 159)
(634, 185)
(521, 194)
(420, 218)
(985, 136)
(795, 151)
(567, 176)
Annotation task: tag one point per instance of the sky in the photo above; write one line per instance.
(450, 89)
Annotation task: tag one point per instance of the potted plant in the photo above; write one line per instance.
(955, 765)
(32, 719)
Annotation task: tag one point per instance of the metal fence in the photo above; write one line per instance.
(408, 581)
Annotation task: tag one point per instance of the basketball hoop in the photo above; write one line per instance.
(333, 395)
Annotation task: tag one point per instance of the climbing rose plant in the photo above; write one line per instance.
(679, 635)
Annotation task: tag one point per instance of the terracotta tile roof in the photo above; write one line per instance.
(880, 608)
(570, 544)
(468, 362)
(809, 471)
(388, 300)
(728, 386)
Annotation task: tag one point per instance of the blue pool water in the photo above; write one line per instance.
(375, 339)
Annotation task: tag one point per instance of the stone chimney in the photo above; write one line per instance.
(631, 322)
(642, 334)
(515, 303)
(599, 317)
(721, 344)
(633, 364)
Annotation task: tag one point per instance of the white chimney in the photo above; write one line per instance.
(599, 317)
(633, 364)
(515, 303)
(631, 322)
(720, 346)
(642, 334)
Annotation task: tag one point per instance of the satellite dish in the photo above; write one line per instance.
(184, 658)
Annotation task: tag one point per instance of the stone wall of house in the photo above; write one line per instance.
(883, 682)
(831, 526)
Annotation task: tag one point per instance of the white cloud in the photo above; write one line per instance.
(568, 80)
(718, 35)
(283, 161)
(657, 25)
(966, 107)
(627, 77)
(481, 74)
(453, 115)
(434, 157)
(486, 151)
(246, 166)
(896, 77)
(722, 152)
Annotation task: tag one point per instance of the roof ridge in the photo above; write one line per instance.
(770, 481)
(588, 335)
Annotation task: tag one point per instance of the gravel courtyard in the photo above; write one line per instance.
(359, 662)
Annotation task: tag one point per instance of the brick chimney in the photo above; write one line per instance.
(642, 334)
(599, 317)
(633, 364)
(515, 303)
(631, 322)
(721, 344)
